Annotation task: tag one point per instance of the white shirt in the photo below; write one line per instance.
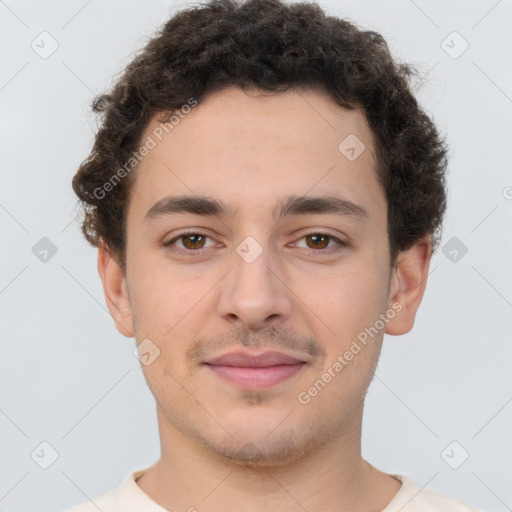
(129, 497)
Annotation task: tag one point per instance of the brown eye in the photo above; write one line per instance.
(190, 242)
(318, 241)
(193, 241)
(321, 243)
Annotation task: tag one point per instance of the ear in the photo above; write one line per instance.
(116, 291)
(407, 285)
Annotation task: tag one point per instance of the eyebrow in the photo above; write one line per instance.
(290, 205)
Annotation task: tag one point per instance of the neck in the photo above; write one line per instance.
(331, 477)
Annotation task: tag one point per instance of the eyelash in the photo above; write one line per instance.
(340, 243)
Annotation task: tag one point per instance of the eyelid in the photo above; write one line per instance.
(174, 239)
(339, 242)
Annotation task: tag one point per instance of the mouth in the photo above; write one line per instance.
(255, 372)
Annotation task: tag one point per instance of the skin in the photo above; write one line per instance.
(227, 448)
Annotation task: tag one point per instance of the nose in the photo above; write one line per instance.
(253, 294)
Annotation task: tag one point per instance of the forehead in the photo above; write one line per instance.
(252, 147)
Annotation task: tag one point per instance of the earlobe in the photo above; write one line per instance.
(115, 290)
(408, 283)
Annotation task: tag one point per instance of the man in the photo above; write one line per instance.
(265, 194)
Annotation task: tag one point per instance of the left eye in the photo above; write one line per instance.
(317, 241)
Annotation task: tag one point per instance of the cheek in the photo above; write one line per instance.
(170, 309)
(162, 295)
(346, 298)
(346, 305)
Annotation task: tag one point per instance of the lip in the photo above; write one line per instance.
(246, 360)
(255, 372)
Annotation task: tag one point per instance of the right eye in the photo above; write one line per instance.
(190, 241)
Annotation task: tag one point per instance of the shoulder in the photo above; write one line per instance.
(106, 503)
(430, 500)
(125, 498)
(412, 498)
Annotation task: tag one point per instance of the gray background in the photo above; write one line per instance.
(70, 379)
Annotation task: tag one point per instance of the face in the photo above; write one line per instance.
(281, 246)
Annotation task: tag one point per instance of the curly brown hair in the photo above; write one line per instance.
(273, 46)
